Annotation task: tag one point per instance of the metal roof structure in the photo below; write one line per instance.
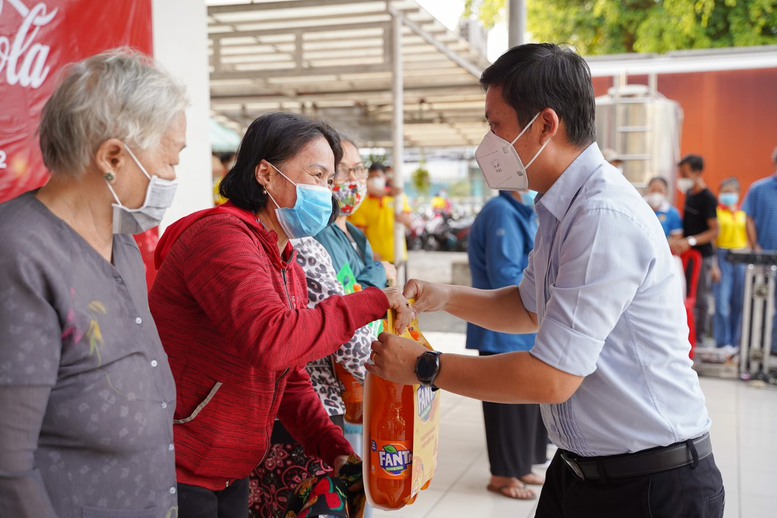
(337, 60)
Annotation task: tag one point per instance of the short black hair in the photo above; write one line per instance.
(377, 166)
(274, 137)
(536, 76)
(695, 162)
(659, 179)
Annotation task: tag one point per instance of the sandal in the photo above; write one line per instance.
(532, 479)
(515, 490)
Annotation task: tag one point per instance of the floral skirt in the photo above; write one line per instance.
(286, 465)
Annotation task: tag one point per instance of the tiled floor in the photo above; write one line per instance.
(744, 434)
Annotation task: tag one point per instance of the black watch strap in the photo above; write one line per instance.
(427, 368)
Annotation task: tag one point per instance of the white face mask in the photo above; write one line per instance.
(500, 163)
(159, 197)
(685, 184)
(656, 200)
(377, 184)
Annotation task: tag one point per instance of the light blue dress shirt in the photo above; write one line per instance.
(610, 306)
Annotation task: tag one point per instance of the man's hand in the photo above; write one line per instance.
(394, 358)
(405, 312)
(678, 245)
(428, 297)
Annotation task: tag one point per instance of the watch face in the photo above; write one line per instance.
(427, 366)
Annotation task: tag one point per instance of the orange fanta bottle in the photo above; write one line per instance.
(353, 394)
(390, 443)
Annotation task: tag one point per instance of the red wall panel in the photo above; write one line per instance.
(730, 119)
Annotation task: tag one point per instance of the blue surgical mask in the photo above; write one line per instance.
(729, 199)
(528, 198)
(311, 213)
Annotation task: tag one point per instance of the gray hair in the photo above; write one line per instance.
(118, 94)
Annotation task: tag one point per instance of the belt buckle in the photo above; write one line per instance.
(572, 463)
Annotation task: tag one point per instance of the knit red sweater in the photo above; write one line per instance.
(232, 315)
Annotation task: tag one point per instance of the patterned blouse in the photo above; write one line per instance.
(323, 283)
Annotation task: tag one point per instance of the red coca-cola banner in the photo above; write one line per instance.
(37, 39)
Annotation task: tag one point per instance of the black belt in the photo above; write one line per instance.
(641, 463)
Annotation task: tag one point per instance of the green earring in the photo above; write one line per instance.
(110, 177)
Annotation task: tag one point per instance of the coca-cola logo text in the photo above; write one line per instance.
(23, 61)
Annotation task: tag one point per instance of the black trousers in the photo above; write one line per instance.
(686, 492)
(515, 436)
(198, 502)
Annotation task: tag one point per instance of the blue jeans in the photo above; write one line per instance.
(729, 299)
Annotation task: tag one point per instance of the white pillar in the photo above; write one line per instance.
(398, 130)
(516, 22)
(180, 29)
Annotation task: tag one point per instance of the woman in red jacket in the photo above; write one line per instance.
(230, 303)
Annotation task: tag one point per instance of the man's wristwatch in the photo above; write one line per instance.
(427, 367)
(691, 241)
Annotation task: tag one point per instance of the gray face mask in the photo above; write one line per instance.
(159, 197)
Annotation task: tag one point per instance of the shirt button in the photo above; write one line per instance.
(154, 363)
(138, 321)
(164, 405)
(172, 490)
(171, 447)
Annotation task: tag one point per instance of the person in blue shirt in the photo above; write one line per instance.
(656, 197)
(761, 208)
(617, 391)
(500, 241)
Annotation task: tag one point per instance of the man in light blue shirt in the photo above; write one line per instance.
(610, 365)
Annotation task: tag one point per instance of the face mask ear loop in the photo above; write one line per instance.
(137, 162)
(115, 197)
(525, 129)
(283, 175)
(273, 199)
(538, 154)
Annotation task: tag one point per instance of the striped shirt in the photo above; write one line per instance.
(610, 307)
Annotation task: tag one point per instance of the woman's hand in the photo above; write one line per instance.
(340, 461)
(405, 313)
(715, 273)
(394, 358)
(391, 273)
(428, 297)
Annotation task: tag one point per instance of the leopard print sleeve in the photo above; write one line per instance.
(322, 283)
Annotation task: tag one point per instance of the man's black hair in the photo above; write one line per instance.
(695, 162)
(536, 76)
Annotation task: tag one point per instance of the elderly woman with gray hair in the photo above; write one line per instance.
(86, 392)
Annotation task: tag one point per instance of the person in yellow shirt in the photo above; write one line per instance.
(376, 217)
(729, 278)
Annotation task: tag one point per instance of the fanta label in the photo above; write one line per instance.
(393, 459)
(425, 400)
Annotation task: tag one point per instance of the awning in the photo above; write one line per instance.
(333, 60)
(223, 140)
